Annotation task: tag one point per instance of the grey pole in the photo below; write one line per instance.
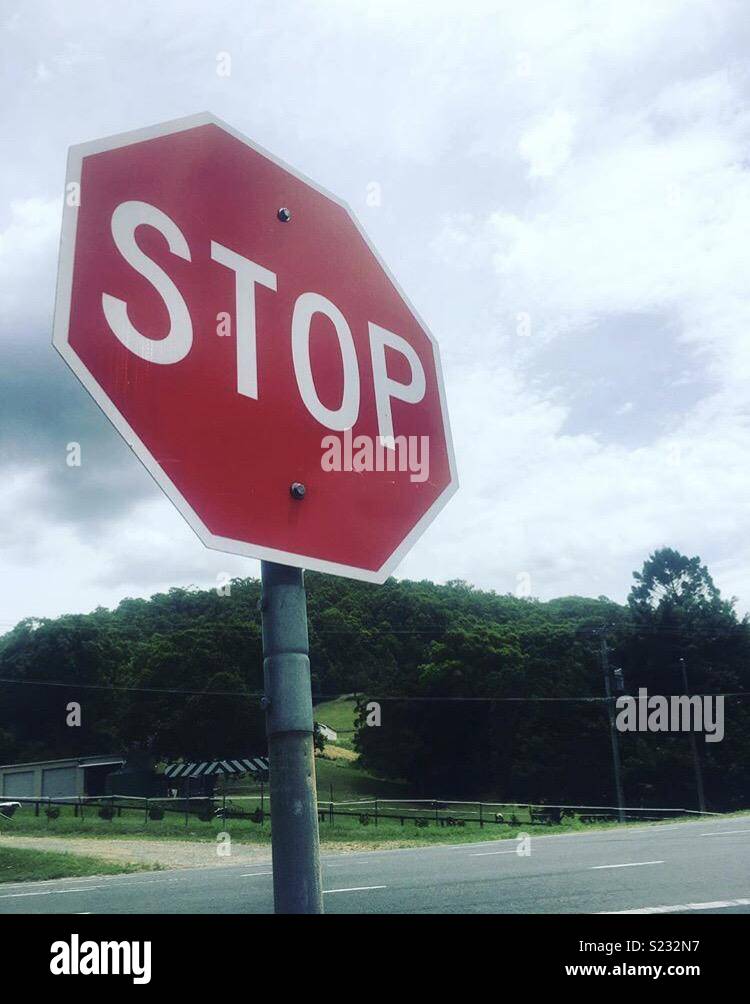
(694, 748)
(612, 729)
(289, 724)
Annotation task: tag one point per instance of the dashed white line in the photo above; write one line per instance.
(254, 874)
(629, 864)
(490, 854)
(48, 892)
(355, 888)
(719, 904)
(342, 861)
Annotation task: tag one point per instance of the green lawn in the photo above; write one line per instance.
(349, 782)
(340, 780)
(344, 830)
(348, 779)
(338, 715)
(21, 865)
(386, 832)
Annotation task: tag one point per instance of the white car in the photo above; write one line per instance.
(8, 808)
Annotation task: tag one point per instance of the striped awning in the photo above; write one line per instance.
(202, 768)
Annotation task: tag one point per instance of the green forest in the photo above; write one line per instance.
(479, 694)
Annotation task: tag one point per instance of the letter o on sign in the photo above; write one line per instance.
(344, 417)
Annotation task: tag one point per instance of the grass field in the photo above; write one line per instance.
(339, 778)
(338, 715)
(387, 832)
(343, 832)
(349, 781)
(21, 865)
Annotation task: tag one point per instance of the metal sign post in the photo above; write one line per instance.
(289, 723)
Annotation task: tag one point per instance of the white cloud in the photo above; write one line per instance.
(28, 243)
(574, 162)
(547, 144)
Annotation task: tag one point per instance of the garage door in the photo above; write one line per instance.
(19, 785)
(59, 781)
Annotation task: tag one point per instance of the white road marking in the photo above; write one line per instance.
(719, 904)
(719, 833)
(48, 892)
(630, 864)
(489, 854)
(355, 888)
(253, 874)
(461, 847)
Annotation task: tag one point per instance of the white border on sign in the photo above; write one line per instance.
(60, 342)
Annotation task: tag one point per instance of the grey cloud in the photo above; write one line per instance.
(43, 408)
(626, 378)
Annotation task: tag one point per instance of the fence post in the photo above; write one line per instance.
(481, 821)
(145, 802)
(376, 810)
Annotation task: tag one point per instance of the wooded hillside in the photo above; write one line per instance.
(479, 693)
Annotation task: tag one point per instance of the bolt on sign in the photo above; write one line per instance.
(234, 323)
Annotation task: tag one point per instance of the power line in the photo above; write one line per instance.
(73, 685)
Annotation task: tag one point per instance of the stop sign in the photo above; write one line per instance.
(236, 326)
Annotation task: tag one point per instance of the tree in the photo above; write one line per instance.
(223, 721)
(671, 584)
(482, 695)
(678, 618)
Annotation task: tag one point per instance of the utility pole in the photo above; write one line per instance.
(614, 739)
(694, 747)
(289, 724)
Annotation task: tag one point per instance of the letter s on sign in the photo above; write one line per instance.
(125, 219)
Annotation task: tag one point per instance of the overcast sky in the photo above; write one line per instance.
(565, 195)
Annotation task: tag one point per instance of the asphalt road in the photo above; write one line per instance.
(701, 866)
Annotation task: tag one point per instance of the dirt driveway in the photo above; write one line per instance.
(167, 853)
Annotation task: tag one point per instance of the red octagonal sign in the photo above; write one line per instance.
(236, 326)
